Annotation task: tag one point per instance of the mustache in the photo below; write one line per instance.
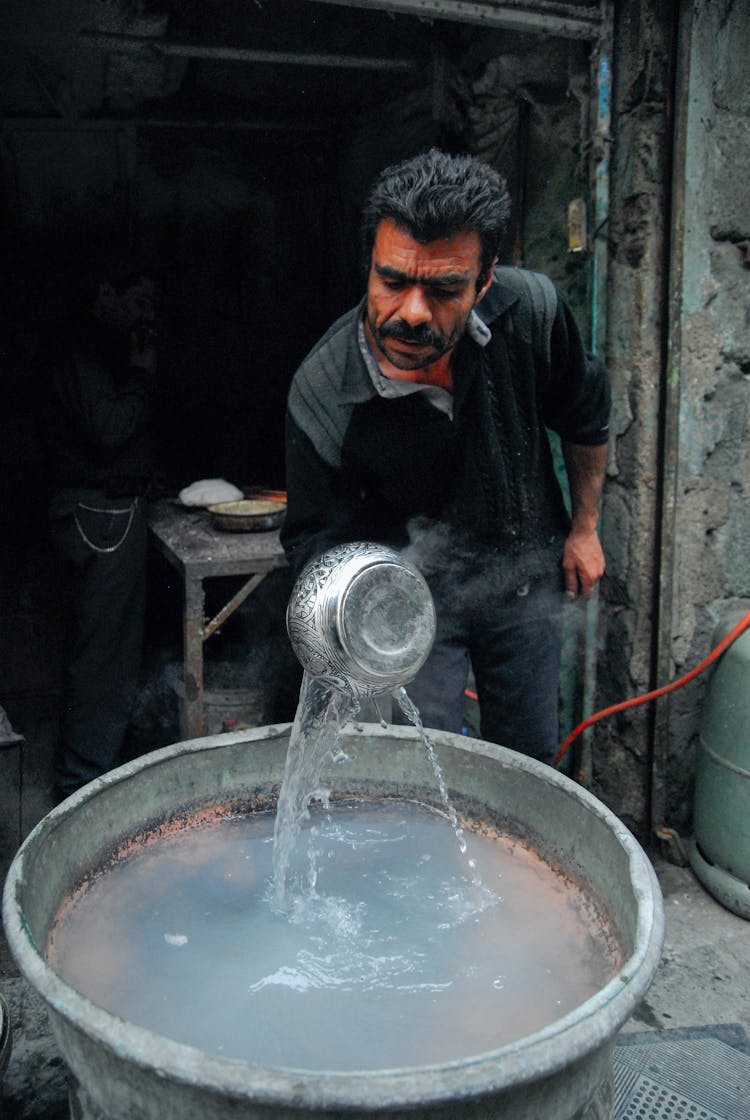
(423, 335)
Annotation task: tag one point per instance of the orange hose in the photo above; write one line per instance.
(657, 692)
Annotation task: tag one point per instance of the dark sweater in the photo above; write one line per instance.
(362, 467)
(96, 411)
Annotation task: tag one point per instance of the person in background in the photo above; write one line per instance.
(98, 375)
(420, 420)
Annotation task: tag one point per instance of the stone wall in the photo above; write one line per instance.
(677, 508)
(638, 248)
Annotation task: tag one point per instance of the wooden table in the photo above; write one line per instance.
(191, 544)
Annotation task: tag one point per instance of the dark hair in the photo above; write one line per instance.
(435, 195)
(121, 270)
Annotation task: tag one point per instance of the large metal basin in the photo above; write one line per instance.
(124, 1071)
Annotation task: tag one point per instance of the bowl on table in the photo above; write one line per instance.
(252, 515)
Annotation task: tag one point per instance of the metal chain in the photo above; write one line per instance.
(97, 509)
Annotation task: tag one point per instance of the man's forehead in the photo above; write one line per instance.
(396, 249)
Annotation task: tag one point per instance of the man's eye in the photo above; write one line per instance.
(446, 293)
(393, 285)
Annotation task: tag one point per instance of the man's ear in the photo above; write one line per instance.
(486, 282)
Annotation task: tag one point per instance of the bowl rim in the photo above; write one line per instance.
(230, 509)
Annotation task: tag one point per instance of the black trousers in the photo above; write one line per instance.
(101, 546)
(512, 639)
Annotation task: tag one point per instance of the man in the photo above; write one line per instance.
(98, 378)
(420, 420)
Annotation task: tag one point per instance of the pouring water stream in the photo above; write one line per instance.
(321, 714)
(362, 622)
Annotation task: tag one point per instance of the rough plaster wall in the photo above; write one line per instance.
(702, 567)
(638, 246)
(712, 483)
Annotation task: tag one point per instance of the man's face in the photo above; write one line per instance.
(133, 307)
(420, 296)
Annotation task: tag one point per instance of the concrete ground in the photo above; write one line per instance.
(703, 979)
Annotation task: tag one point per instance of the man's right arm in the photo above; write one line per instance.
(322, 502)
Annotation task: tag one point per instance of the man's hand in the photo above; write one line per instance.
(143, 349)
(583, 562)
(583, 558)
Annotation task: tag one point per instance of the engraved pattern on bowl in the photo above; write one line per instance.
(319, 618)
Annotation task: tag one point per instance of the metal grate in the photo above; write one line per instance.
(680, 1078)
(648, 1101)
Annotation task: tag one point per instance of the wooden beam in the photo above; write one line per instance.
(544, 17)
(109, 41)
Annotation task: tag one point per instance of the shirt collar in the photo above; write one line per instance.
(356, 384)
(384, 386)
(477, 329)
(497, 299)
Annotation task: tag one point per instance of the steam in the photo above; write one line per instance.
(252, 681)
(470, 574)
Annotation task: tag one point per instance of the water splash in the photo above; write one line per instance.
(411, 711)
(321, 713)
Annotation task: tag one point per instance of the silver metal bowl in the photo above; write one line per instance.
(250, 516)
(361, 618)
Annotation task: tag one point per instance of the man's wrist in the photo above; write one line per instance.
(584, 524)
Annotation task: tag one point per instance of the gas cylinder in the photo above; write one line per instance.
(720, 845)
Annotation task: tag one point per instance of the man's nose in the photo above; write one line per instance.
(415, 307)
